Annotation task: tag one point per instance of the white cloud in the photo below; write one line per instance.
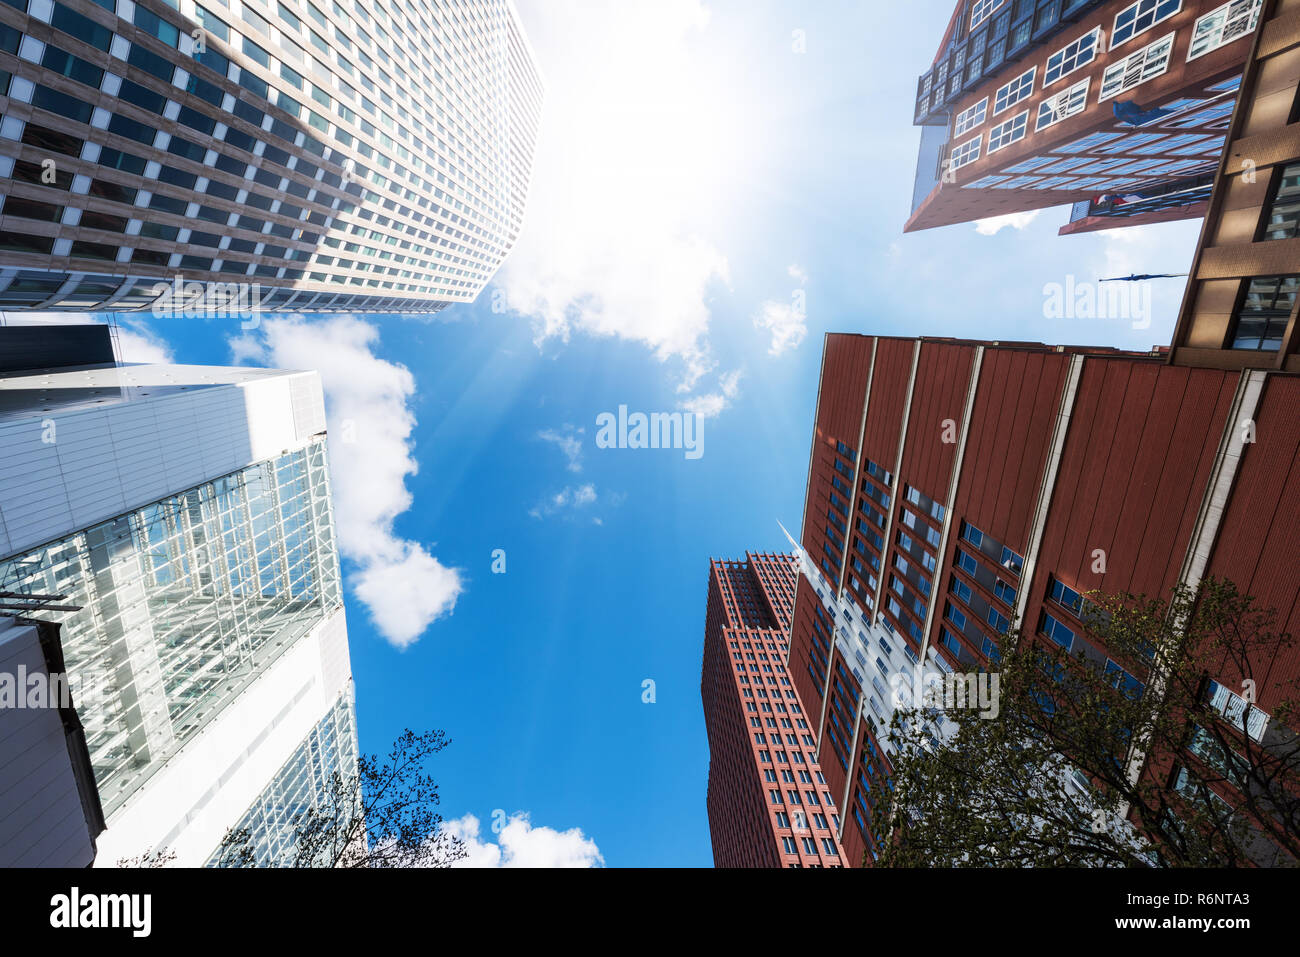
(799, 273)
(713, 403)
(626, 170)
(787, 321)
(993, 225)
(571, 497)
(520, 844)
(569, 441)
(138, 343)
(404, 587)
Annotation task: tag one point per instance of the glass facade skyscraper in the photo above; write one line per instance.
(183, 603)
(182, 514)
(371, 156)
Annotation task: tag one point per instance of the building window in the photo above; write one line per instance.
(970, 117)
(1233, 707)
(1059, 633)
(1015, 91)
(1284, 214)
(1063, 105)
(1069, 58)
(965, 154)
(1230, 22)
(1140, 17)
(1263, 315)
(1132, 71)
(1012, 131)
(981, 10)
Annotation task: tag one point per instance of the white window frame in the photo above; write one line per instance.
(1027, 90)
(1098, 39)
(1071, 101)
(981, 10)
(964, 122)
(1206, 27)
(1021, 119)
(1121, 68)
(1150, 26)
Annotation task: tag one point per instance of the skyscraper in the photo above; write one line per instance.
(181, 514)
(956, 487)
(294, 155)
(767, 799)
(1117, 107)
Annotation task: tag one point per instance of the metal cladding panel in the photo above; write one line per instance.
(884, 424)
(935, 418)
(1010, 434)
(1257, 545)
(846, 365)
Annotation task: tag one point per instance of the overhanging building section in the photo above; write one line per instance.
(956, 487)
(1060, 102)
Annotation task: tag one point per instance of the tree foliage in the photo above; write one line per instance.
(1118, 758)
(383, 815)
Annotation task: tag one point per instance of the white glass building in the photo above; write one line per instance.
(185, 511)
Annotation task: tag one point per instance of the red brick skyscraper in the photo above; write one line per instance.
(768, 801)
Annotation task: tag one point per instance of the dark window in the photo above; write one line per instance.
(168, 204)
(141, 97)
(1284, 214)
(81, 27)
(127, 162)
(34, 173)
(1264, 312)
(196, 120)
(112, 191)
(81, 249)
(129, 128)
(175, 177)
(150, 62)
(213, 215)
(62, 104)
(184, 148)
(74, 67)
(222, 190)
(150, 257)
(30, 209)
(112, 224)
(159, 231)
(26, 243)
(196, 262)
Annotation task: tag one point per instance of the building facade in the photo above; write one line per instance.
(182, 517)
(1242, 301)
(768, 801)
(1117, 108)
(295, 155)
(956, 487)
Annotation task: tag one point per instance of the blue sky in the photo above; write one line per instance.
(696, 176)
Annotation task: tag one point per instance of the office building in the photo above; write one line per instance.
(1116, 108)
(768, 801)
(174, 523)
(300, 155)
(956, 487)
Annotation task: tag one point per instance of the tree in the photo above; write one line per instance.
(380, 816)
(1131, 756)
